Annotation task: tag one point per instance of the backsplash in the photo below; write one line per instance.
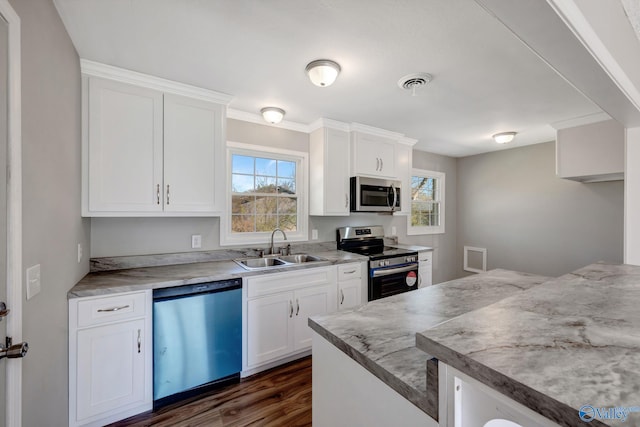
(138, 261)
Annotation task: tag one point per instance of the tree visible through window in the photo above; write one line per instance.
(427, 202)
(263, 194)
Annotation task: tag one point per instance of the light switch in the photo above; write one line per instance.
(33, 281)
(196, 241)
(394, 232)
(314, 234)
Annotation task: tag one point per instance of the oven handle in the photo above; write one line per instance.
(388, 271)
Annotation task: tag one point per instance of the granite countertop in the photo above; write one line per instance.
(164, 276)
(380, 335)
(572, 341)
(412, 247)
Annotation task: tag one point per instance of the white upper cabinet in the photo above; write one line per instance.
(373, 155)
(151, 147)
(591, 153)
(329, 172)
(125, 147)
(191, 128)
(404, 166)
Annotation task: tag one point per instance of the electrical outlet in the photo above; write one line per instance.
(394, 232)
(33, 281)
(314, 234)
(196, 241)
(79, 253)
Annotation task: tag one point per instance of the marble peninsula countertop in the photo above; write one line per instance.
(188, 269)
(569, 342)
(381, 335)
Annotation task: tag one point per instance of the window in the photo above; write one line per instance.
(264, 188)
(427, 202)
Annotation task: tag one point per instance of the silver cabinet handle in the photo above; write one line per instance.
(290, 308)
(4, 311)
(139, 341)
(377, 164)
(106, 310)
(297, 307)
(167, 194)
(158, 194)
(381, 164)
(349, 272)
(341, 296)
(346, 200)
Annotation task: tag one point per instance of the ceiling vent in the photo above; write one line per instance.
(416, 81)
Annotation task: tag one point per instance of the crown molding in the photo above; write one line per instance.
(97, 69)
(359, 127)
(257, 119)
(328, 123)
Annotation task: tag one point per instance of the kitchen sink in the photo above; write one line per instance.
(300, 258)
(280, 261)
(259, 262)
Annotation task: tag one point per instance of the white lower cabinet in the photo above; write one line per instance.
(278, 307)
(425, 268)
(351, 285)
(110, 358)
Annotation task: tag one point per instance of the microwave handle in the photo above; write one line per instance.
(395, 197)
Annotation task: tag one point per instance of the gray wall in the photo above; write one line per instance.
(51, 204)
(511, 203)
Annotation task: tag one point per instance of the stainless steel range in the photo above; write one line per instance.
(391, 270)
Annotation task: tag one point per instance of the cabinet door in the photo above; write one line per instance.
(310, 302)
(124, 147)
(337, 173)
(349, 293)
(374, 156)
(110, 367)
(193, 133)
(269, 326)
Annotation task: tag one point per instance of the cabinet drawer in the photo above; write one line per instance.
(110, 309)
(425, 256)
(349, 271)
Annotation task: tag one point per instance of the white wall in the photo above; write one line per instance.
(51, 204)
(511, 203)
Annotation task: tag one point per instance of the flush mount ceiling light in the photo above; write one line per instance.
(272, 115)
(504, 137)
(323, 72)
(415, 81)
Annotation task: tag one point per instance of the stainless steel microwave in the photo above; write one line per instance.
(374, 195)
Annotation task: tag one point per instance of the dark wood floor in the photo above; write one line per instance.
(279, 397)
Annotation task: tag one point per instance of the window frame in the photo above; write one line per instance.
(440, 197)
(227, 237)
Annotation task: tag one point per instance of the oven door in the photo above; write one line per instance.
(392, 280)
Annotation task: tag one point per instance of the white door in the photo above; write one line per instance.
(10, 214)
(4, 55)
(310, 302)
(125, 147)
(350, 294)
(192, 135)
(269, 328)
(337, 173)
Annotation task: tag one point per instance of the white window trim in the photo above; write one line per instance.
(227, 238)
(439, 229)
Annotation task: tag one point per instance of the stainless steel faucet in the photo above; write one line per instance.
(274, 232)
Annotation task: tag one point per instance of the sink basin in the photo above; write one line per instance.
(279, 261)
(259, 262)
(300, 258)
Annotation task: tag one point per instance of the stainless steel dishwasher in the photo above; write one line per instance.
(197, 339)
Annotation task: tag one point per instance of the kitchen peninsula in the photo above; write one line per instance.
(555, 348)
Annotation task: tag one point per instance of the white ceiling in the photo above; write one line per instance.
(485, 80)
